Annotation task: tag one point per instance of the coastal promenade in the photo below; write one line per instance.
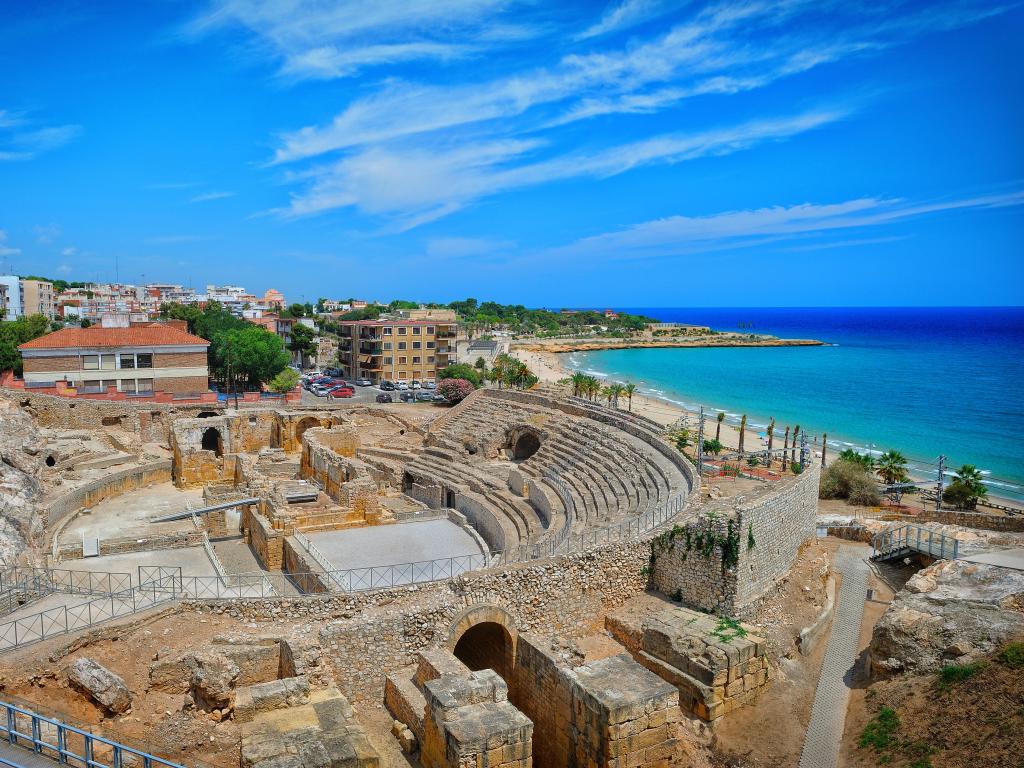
(591, 344)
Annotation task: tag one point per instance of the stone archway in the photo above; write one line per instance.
(522, 443)
(484, 637)
(306, 423)
(212, 440)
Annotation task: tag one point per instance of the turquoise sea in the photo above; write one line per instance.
(922, 380)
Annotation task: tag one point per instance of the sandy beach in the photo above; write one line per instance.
(548, 367)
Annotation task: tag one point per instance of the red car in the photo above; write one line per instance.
(342, 390)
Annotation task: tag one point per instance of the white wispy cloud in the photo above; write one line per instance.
(23, 138)
(208, 196)
(6, 250)
(69, 251)
(622, 16)
(311, 39)
(420, 184)
(677, 235)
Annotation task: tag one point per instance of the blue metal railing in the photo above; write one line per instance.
(69, 745)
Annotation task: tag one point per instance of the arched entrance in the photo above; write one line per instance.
(487, 645)
(527, 444)
(206, 414)
(212, 441)
(302, 426)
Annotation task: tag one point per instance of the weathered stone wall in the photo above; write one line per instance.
(114, 484)
(766, 531)
(73, 550)
(972, 520)
(565, 597)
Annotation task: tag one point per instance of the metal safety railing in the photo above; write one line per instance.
(915, 538)
(68, 745)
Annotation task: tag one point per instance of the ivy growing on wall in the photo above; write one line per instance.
(704, 539)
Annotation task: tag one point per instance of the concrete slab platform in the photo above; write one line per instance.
(193, 561)
(1005, 558)
(127, 515)
(392, 544)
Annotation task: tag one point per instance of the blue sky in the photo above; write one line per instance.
(629, 153)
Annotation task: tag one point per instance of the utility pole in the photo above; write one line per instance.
(700, 442)
(939, 484)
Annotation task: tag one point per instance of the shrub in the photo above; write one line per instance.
(284, 381)
(957, 673)
(455, 390)
(461, 371)
(849, 480)
(1013, 655)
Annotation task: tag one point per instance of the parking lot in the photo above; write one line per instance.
(362, 395)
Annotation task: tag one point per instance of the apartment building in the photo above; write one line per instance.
(37, 298)
(3, 301)
(399, 348)
(12, 289)
(136, 360)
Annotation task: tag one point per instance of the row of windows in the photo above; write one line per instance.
(405, 360)
(129, 386)
(416, 330)
(415, 345)
(113, 362)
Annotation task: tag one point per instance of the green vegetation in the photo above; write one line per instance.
(957, 673)
(511, 373)
(718, 427)
(16, 332)
(891, 466)
(455, 390)
(1012, 655)
(863, 459)
(880, 733)
(681, 439)
(728, 629)
(284, 381)
(461, 371)
(241, 355)
(480, 317)
(302, 340)
(714, 447)
(849, 478)
(967, 489)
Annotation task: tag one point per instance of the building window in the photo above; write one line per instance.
(402, 375)
(387, 345)
(430, 345)
(388, 360)
(430, 374)
(127, 386)
(128, 361)
(144, 360)
(430, 359)
(91, 384)
(430, 330)
(416, 330)
(401, 345)
(417, 344)
(108, 362)
(91, 363)
(387, 331)
(415, 361)
(401, 361)
(145, 386)
(401, 331)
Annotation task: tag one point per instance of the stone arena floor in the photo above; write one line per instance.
(394, 544)
(128, 515)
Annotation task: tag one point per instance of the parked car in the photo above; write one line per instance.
(363, 383)
(401, 386)
(438, 398)
(387, 386)
(333, 372)
(429, 385)
(424, 396)
(382, 398)
(416, 384)
(407, 397)
(343, 391)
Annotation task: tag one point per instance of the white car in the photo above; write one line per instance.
(416, 384)
(401, 386)
(363, 383)
(429, 385)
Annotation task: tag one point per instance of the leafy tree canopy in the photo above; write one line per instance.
(15, 332)
(285, 381)
(461, 371)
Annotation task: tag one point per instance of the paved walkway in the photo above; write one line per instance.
(23, 758)
(828, 713)
(1006, 558)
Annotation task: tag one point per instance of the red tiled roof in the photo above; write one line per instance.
(140, 336)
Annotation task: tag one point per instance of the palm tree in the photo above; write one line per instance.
(630, 390)
(892, 467)
(607, 393)
(718, 429)
(824, 447)
(579, 381)
(743, 430)
(618, 390)
(967, 488)
(771, 439)
(785, 449)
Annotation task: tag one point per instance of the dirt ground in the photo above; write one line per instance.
(155, 722)
(976, 723)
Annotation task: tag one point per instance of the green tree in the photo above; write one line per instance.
(892, 467)
(629, 390)
(718, 427)
(302, 340)
(863, 459)
(284, 381)
(16, 332)
(480, 364)
(743, 431)
(714, 447)
(246, 357)
(966, 489)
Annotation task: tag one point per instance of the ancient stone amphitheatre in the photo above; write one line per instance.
(525, 579)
